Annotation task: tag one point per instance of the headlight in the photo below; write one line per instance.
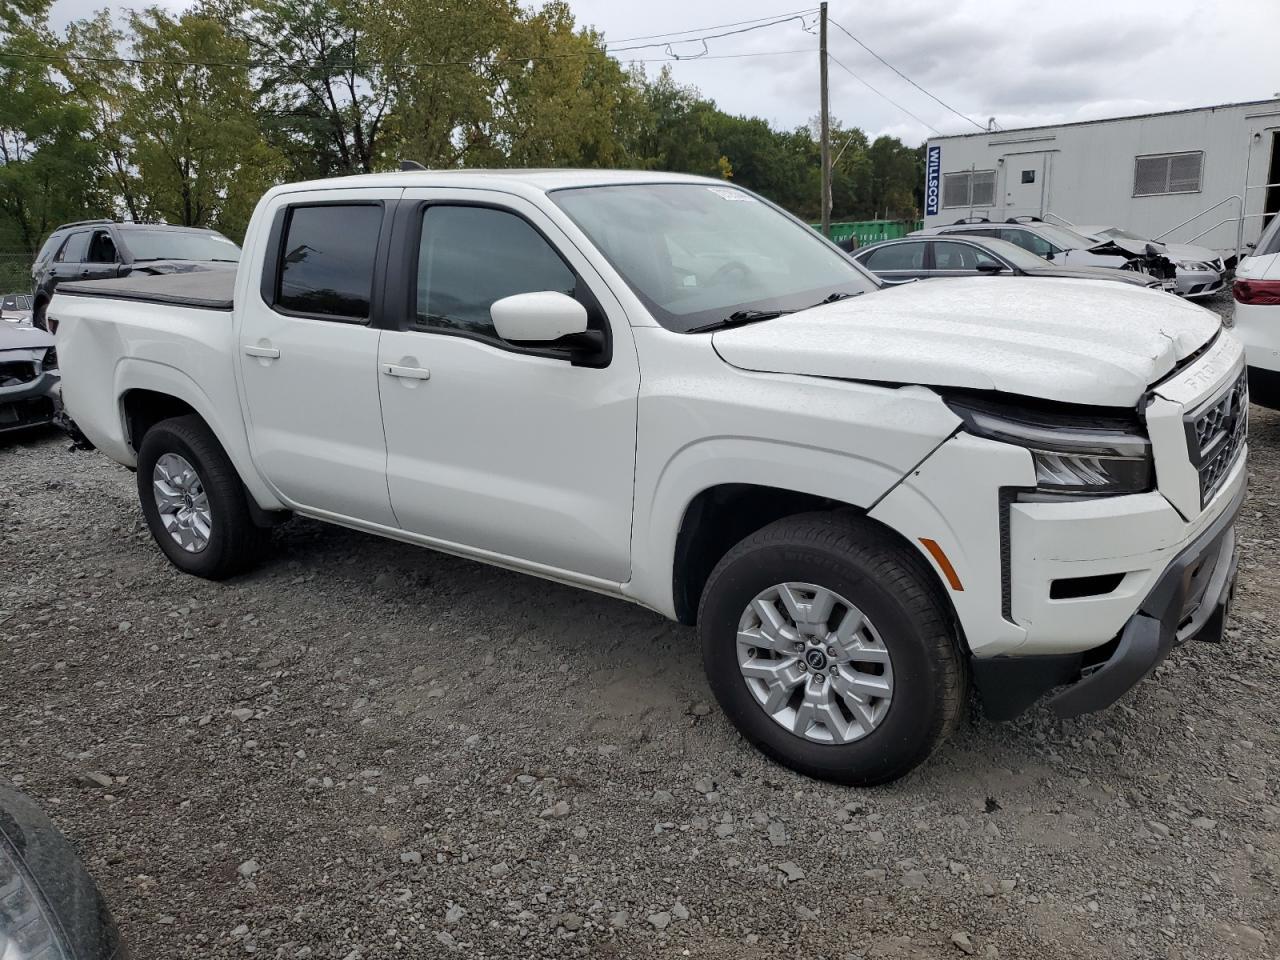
(25, 930)
(1074, 455)
(1198, 265)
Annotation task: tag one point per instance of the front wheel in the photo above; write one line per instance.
(194, 502)
(829, 646)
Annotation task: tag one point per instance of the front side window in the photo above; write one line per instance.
(896, 256)
(74, 249)
(102, 249)
(1029, 241)
(949, 255)
(698, 253)
(471, 256)
(972, 188)
(327, 260)
(1167, 173)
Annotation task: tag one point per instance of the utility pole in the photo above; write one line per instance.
(826, 122)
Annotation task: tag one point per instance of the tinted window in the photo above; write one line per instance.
(948, 255)
(327, 262)
(181, 245)
(471, 256)
(74, 249)
(102, 249)
(896, 256)
(1029, 241)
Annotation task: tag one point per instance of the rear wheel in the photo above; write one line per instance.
(194, 502)
(829, 647)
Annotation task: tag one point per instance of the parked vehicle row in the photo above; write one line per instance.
(865, 498)
(962, 255)
(100, 249)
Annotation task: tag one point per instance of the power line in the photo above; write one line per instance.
(153, 61)
(840, 64)
(778, 17)
(604, 50)
(906, 78)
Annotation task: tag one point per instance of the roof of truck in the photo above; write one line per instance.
(542, 180)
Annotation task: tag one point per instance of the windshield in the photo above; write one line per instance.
(1116, 233)
(16, 301)
(180, 245)
(697, 253)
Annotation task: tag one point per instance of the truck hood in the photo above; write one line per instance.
(1077, 341)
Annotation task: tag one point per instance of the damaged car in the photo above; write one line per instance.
(1201, 271)
(103, 249)
(30, 385)
(1068, 248)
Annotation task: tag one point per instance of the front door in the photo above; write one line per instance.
(1025, 184)
(102, 260)
(309, 353)
(497, 449)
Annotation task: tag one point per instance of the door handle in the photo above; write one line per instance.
(409, 373)
(266, 353)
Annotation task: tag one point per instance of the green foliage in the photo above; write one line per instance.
(189, 118)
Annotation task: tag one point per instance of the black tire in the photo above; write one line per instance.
(894, 589)
(235, 542)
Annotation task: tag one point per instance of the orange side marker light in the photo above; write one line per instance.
(943, 563)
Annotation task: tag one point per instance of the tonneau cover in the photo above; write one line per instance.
(205, 289)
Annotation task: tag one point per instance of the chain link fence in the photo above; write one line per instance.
(15, 271)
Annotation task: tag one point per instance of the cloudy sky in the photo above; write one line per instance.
(1021, 62)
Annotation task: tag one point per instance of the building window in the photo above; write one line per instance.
(1167, 173)
(1028, 176)
(973, 188)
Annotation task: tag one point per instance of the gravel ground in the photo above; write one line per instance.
(365, 749)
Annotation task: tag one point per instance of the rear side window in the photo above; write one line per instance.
(471, 256)
(327, 260)
(74, 249)
(896, 256)
(102, 249)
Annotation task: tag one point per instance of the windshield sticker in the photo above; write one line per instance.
(725, 193)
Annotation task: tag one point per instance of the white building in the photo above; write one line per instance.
(1209, 176)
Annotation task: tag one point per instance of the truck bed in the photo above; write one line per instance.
(201, 289)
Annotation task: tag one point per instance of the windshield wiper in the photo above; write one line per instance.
(836, 297)
(738, 318)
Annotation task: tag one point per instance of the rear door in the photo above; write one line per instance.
(309, 350)
(494, 448)
(68, 262)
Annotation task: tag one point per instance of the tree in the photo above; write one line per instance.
(49, 166)
(196, 146)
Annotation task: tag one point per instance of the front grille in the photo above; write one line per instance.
(1215, 436)
(14, 372)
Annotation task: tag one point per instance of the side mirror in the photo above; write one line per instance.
(538, 317)
(990, 266)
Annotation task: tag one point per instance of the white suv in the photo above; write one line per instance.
(1257, 315)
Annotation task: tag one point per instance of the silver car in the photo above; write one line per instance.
(16, 308)
(1201, 271)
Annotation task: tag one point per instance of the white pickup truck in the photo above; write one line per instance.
(665, 389)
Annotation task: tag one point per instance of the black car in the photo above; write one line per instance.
(99, 249)
(919, 258)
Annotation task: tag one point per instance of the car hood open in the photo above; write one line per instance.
(1077, 341)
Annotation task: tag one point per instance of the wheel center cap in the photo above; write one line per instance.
(816, 659)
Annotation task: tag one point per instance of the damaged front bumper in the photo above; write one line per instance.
(1190, 600)
(32, 403)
